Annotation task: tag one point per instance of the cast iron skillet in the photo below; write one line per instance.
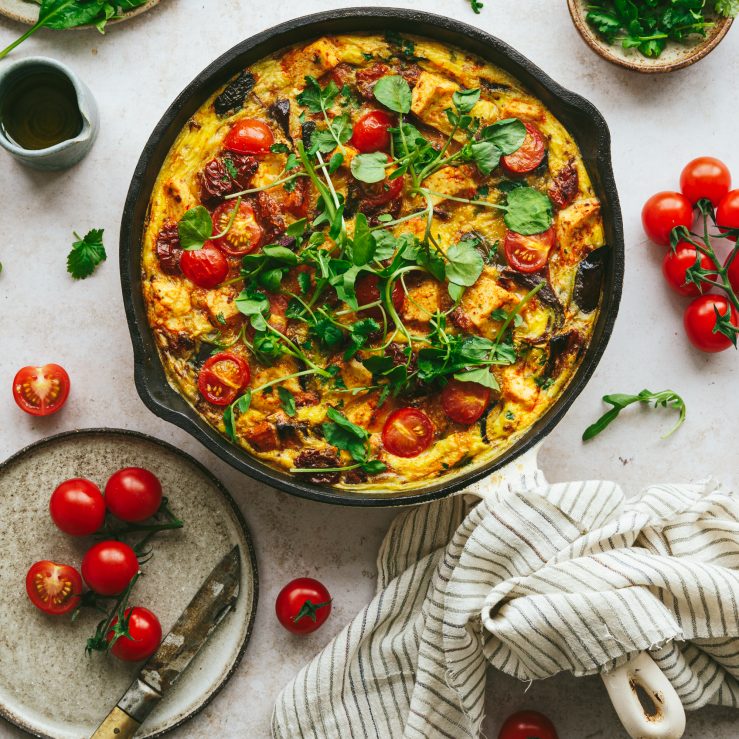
(577, 114)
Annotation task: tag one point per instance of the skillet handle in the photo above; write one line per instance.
(664, 718)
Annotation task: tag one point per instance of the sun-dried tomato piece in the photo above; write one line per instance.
(168, 248)
(318, 459)
(269, 214)
(566, 183)
(366, 79)
(225, 174)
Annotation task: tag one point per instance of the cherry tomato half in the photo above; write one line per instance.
(464, 402)
(133, 494)
(529, 155)
(206, 267)
(243, 236)
(109, 566)
(249, 136)
(676, 264)
(700, 319)
(382, 193)
(527, 725)
(41, 391)
(303, 605)
(371, 132)
(528, 253)
(705, 177)
(77, 507)
(367, 288)
(222, 377)
(662, 212)
(53, 588)
(407, 432)
(727, 213)
(144, 635)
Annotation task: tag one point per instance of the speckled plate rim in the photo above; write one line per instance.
(645, 66)
(13, 9)
(251, 553)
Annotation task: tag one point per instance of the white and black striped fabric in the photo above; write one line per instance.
(533, 579)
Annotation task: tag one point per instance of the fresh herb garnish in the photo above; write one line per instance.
(86, 254)
(665, 399)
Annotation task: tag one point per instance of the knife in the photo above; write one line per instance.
(216, 597)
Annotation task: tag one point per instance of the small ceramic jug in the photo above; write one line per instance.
(67, 152)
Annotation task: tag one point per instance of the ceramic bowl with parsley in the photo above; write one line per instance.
(653, 36)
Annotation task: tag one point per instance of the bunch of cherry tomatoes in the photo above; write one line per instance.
(704, 180)
(109, 567)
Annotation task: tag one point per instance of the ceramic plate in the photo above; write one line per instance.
(26, 11)
(675, 56)
(48, 686)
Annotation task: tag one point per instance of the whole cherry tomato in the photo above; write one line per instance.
(528, 253)
(206, 267)
(41, 391)
(54, 588)
(464, 402)
(700, 321)
(77, 507)
(371, 132)
(143, 638)
(705, 177)
(303, 605)
(133, 494)
(223, 377)
(662, 212)
(407, 432)
(109, 566)
(733, 270)
(677, 263)
(249, 136)
(244, 233)
(527, 725)
(727, 213)
(529, 155)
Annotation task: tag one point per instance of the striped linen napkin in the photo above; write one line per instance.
(533, 579)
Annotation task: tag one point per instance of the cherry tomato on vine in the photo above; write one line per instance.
(371, 132)
(727, 213)
(243, 236)
(407, 432)
(733, 271)
(77, 507)
(529, 155)
(705, 177)
(41, 391)
(133, 494)
(303, 605)
(527, 725)
(249, 136)
(700, 320)
(53, 588)
(464, 402)
(528, 253)
(144, 635)
(206, 267)
(222, 377)
(662, 212)
(367, 289)
(109, 566)
(676, 264)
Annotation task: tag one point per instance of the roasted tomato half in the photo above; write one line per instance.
(407, 432)
(54, 588)
(529, 155)
(528, 253)
(464, 402)
(249, 136)
(243, 234)
(41, 391)
(222, 377)
(206, 267)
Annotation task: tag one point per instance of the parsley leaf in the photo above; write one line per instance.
(315, 98)
(86, 254)
(359, 335)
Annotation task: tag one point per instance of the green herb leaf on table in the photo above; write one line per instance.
(87, 253)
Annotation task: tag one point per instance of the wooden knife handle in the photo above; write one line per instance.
(117, 725)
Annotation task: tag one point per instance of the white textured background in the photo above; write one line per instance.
(657, 125)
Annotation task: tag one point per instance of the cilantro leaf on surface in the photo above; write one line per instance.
(86, 254)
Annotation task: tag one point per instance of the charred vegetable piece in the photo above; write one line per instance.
(564, 186)
(317, 459)
(233, 96)
(589, 279)
(307, 131)
(168, 248)
(546, 295)
(279, 111)
(560, 347)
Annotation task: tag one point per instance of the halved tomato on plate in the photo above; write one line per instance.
(53, 588)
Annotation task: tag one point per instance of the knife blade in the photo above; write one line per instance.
(215, 598)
